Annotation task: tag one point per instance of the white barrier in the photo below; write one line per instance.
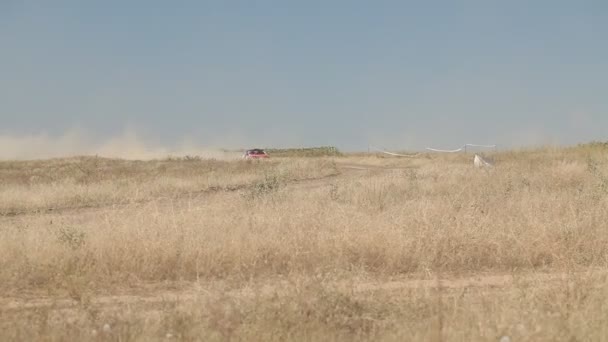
(392, 153)
(445, 151)
(463, 148)
(486, 146)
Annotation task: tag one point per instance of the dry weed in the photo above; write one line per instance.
(287, 222)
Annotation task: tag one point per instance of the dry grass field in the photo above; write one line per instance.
(344, 248)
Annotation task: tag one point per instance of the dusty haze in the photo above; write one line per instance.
(128, 145)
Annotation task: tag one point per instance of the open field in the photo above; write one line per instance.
(344, 248)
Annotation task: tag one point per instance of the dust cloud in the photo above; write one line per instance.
(125, 146)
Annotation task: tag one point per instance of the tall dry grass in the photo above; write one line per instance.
(313, 309)
(432, 217)
(91, 182)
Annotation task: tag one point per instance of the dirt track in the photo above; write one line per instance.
(345, 169)
(151, 294)
(147, 302)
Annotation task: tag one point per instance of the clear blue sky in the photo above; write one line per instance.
(401, 74)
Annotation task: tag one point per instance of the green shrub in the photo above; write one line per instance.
(323, 151)
(71, 237)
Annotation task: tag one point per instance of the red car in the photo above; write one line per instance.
(255, 154)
